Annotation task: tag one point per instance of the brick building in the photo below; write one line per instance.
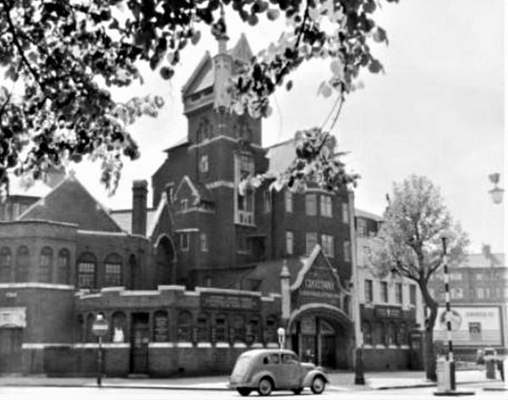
(195, 279)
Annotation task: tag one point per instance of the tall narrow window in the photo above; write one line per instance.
(46, 265)
(384, 292)
(185, 327)
(289, 242)
(326, 206)
(5, 265)
(367, 332)
(87, 265)
(64, 267)
(369, 291)
(398, 293)
(347, 251)
(203, 163)
(203, 239)
(310, 242)
(412, 294)
(345, 213)
(203, 328)
(245, 201)
(288, 197)
(310, 204)
(113, 276)
(328, 245)
(22, 264)
(184, 241)
(267, 201)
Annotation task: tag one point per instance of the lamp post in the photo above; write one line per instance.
(497, 192)
(282, 337)
(100, 328)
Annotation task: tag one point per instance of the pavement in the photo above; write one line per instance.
(339, 381)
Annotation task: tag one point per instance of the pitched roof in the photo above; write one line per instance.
(123, 218)
(366, 214)
(481, 260)
(70, 202)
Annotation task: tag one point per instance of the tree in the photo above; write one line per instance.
(63, 57)
(410, 243)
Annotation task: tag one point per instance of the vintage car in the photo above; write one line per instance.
(265, 370)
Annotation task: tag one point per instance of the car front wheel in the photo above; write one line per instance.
(244, 391)
(318, 385)
(297, 391)
(265, 387)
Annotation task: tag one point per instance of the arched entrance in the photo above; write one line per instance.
(164, 257)
(322, 334)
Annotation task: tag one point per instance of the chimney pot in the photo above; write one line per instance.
(139, 201)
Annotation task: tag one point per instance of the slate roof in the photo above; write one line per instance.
(124, 218)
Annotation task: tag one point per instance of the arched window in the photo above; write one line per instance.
(22, 264)
(238, 329)
(118, 327)
(221, 328)
(87, 266)
(5, 264)
(203, 328)
(161, 326)
(367, 332)
(64, 267)
(46, 265)
(113, 273)
(185, 327)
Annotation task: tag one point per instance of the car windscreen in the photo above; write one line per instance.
(241, 366)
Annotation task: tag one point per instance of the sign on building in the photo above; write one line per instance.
(13, 317)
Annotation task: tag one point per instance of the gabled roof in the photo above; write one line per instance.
(481, 260)
(71, 202)
(199, 191)
(203, 76)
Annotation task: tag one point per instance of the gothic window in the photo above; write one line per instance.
(5, 264)
(46, 265)
(161, 326)
(185, 327)
(64, 267)
(22, 264)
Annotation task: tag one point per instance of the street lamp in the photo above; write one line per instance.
(496, 192)
(282, 337)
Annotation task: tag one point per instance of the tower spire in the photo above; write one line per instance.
(221, 32)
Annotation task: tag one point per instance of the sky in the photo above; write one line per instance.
(438, 111)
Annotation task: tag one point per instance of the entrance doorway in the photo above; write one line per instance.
(140, 337)
(11, 340)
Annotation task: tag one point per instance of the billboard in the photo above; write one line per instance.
(471, 326)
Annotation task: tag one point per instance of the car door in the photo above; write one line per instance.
(291, 370)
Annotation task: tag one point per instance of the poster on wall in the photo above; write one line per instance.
(471, 326)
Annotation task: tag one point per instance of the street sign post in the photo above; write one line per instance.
(100, 328)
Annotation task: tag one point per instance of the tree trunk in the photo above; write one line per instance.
(429, 356)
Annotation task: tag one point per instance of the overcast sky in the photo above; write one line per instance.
(438, 111)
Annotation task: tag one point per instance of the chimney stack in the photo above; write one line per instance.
(139, 201)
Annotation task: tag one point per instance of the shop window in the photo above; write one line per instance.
(221, 328)
(238, 329)
(392, 335)
(253, 330)
(118, 327)
(5, 264)
(271, 330)
(113, 269)
(203, 328)
(46, 265)
(161, 326)
(367, 332)
(403, 336)
(87, 266)
(310, 204)
(22, 264)
(379, 334)
(185, 327)
(64, 267)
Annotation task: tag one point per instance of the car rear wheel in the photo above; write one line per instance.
(265, 387)
(297, 391)
(318, 385)
(244, 391)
